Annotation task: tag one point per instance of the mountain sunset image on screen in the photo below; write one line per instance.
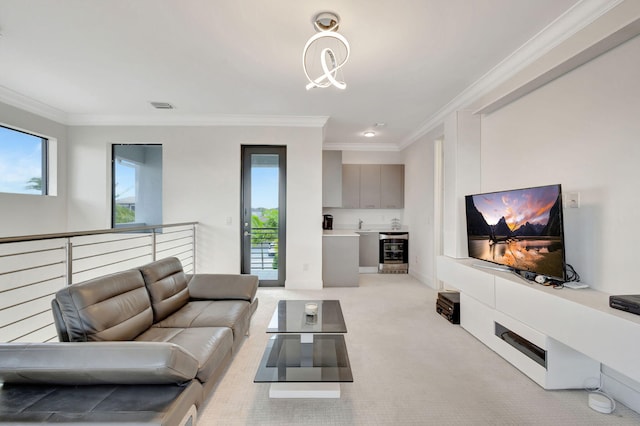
(521, 229)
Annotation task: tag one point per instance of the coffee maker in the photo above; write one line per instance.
(327, 222)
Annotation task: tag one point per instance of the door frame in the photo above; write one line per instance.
(245, 209)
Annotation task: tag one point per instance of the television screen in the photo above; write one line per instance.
(520, 229)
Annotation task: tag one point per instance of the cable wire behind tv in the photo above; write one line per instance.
(570, 273)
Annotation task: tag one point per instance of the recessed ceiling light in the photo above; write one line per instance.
(369, 134)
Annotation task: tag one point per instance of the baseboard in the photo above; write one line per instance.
(422, 278)
(302, 285)
(621, 388)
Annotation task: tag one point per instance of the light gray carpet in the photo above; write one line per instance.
(410, 367)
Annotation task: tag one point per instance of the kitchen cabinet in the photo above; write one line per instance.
(373, 186)
(369, 186)
(331, 178)
(340, 260)
(392, 186)
(369, 249)
(351, 186)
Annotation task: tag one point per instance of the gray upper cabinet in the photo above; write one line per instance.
(369, 186)
(392, 186)
(331, 178)
(351, 186)
(373, 186)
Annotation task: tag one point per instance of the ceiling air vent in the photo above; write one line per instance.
(162, 105)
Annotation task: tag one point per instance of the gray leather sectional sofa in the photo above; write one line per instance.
(143, 346)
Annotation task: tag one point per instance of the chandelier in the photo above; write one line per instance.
(326, 24)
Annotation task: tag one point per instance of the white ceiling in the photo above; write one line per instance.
(239, 61)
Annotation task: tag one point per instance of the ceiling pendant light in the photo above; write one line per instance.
(326, 23)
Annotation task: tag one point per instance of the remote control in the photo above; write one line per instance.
(576, 286)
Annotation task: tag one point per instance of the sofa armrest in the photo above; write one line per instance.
(88, 363)
(223, 287)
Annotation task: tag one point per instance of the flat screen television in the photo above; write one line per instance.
(519, 229)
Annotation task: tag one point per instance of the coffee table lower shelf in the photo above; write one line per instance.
(297, 369)
(304, 390)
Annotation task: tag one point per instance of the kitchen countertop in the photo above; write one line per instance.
(355, 232)
(339, 233)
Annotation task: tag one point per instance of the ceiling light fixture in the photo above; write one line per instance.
(326, 23)
(369, 134)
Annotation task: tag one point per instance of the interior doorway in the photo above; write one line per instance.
(263, 213)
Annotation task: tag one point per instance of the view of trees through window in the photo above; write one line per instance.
(23, 162)
(125, 193)
(264, 225)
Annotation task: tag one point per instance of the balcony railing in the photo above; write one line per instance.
(34, 267)
(264, 250)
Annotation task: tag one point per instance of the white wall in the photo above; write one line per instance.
(33, 214)
(201, 168)
(419, 159)
(581, 131)
(371, 218)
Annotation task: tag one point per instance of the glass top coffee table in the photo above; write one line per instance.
(305, 359)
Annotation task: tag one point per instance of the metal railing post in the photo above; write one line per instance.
(153, 245)
(193, 246)
(69, 262)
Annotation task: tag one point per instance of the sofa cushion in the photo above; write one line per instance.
(167, 286)
(220, 313)
(99, 404)
(89, 363)
(210, 346)
(113, 307)
(223, 287)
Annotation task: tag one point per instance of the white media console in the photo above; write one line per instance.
(575, 330)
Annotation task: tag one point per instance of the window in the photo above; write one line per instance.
(23, 162)
(137, 185)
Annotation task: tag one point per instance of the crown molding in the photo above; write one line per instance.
(31, 105)
(162, 118)
(359, 147)
(573, 20)
(166, 118)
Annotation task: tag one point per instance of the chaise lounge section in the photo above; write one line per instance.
(145, 346)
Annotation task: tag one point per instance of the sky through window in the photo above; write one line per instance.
(20, 162)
